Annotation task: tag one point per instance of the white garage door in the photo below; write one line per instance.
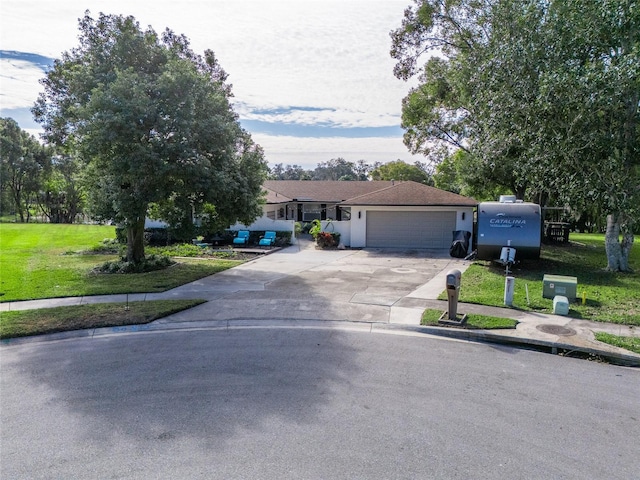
(410, 229)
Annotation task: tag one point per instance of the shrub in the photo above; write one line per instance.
(283, 239)
(220, 238)
(157, 236)
(179, 250)
(149, 264)
(121, 235)
(108, 246)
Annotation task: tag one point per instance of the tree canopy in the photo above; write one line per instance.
(22, 161)
(152, 123)
(541, 96)
(343, 170)
(401, 171)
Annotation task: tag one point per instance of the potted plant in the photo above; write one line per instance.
(323, 239)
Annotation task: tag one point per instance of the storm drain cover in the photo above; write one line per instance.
(556, 330)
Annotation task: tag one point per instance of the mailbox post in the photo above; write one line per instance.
(453, 290)
(451, 317)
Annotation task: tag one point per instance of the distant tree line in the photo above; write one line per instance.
(35, 180)
(341, 169)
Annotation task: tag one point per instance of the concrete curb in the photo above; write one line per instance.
(613, 356)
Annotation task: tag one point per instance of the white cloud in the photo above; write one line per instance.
(338, 118)
(330, 57)
(19, 85)
(330, 53)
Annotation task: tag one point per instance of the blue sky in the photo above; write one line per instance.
(312, 79)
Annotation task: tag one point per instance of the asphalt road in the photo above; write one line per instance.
(310, 404)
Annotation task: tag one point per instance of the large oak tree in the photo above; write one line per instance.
(541, 96)
(152, 123)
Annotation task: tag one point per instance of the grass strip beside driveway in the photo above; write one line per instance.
(78, 317)
(609, 296)
(629, 343)
(430, 317)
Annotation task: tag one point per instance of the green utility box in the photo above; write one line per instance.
(553, 285)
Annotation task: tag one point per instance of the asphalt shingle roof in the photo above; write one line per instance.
(323, 191)
(362, 193)
(275, 197)
(411, 194)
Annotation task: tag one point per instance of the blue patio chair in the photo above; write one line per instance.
(241, 238)
(268, 240)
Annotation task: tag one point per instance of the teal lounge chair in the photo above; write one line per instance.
(268, 240)
(242, 238)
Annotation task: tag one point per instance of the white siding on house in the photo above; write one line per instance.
(343, 228)
(464, 220)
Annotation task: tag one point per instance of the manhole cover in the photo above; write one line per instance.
(556, 330)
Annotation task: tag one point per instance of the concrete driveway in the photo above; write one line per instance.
(302, 283)
(368, 289)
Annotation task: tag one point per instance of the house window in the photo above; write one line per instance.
(310, 211)
(310, 216)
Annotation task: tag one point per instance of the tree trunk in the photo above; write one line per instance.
(17, 200)
(625, 246)
(135, 240)
(618, 251)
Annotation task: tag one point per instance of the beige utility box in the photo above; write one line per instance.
(560, 305)
(553, 285)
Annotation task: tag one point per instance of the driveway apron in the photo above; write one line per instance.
(302, 283)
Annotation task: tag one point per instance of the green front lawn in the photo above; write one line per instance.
(629, 343)
(62, 319)
(48, 261)
(610, 297)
